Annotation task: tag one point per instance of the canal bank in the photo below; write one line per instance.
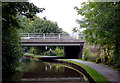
(35, 70)
(92, 71)
(76, 67)
(110, 74)
(88, 71)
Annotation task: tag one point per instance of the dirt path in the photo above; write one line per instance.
(109, 73)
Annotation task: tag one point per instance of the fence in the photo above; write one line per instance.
(50, 36)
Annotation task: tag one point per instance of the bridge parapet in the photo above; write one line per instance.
(50, 36)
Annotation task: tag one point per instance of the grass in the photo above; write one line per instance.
(92, 72)
(86, 60)
(37, 56)
(28, 54)
(110, 66)
(40, 55)
(59, 55)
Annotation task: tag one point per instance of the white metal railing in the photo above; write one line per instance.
(49, 36)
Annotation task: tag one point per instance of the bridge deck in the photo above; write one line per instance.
(34, 39)
(52, 42)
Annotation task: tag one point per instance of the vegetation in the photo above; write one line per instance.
(50, 53)
(39, 26)
(11, 48)
(60, 55)
(56, 52)
(101, 20)
(93, 73)
(86, 54)
(59, 50)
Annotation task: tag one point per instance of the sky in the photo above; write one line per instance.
(60, 11)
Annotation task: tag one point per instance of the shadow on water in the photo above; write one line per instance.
(47, 71)
(11, 76)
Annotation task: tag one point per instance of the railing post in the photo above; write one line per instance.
(59, 36)
(28, 36)
(43, 35)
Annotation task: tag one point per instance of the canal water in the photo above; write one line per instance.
(48, 72)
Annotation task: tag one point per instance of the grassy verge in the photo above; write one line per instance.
(110, 66)
(93, 73)
(27, 54)
(59, 55)
(32, 55)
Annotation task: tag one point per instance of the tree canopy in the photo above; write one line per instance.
(102, 23)
(11, 49)
(39, 25)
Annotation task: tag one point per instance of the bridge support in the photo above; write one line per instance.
(73, 51)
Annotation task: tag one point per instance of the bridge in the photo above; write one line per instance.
(72, 45)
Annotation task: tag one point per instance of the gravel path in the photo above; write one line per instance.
(109, 73)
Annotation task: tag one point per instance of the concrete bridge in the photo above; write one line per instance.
(73, 46)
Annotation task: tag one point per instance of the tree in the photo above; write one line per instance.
(11, 49)
(74, 30)
(39, 25)
(102, 21)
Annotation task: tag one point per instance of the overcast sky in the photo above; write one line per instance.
(60, 11)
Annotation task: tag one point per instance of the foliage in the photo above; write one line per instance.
(101, 20)
(74, 30)
(98, 60)
(86, 53)
(59, 51)
(39, 25)
(38, 50)
(60, 55)
(11, 49)
(93, 57)
(93, 73)
(31, 50)
(50, 53)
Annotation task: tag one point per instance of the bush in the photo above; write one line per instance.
(86, 54)
(60, 55)
(52, 53)
(31, 50)
(59, 51)
(93, 57)
(90, 56)
(98, 60)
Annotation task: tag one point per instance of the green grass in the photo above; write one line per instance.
(40, 55)
(110, 66)
(59, 55)
(93, 73)
(36, 56)
(31, 55)
(86, 60)
(27, 54)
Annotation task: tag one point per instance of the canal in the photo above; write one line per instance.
(49, 72)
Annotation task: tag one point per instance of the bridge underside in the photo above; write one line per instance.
(73, 51)
(72, 48)
(52, 42)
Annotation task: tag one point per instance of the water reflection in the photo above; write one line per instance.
(50, 66)
(46, 67)
(44, 71)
